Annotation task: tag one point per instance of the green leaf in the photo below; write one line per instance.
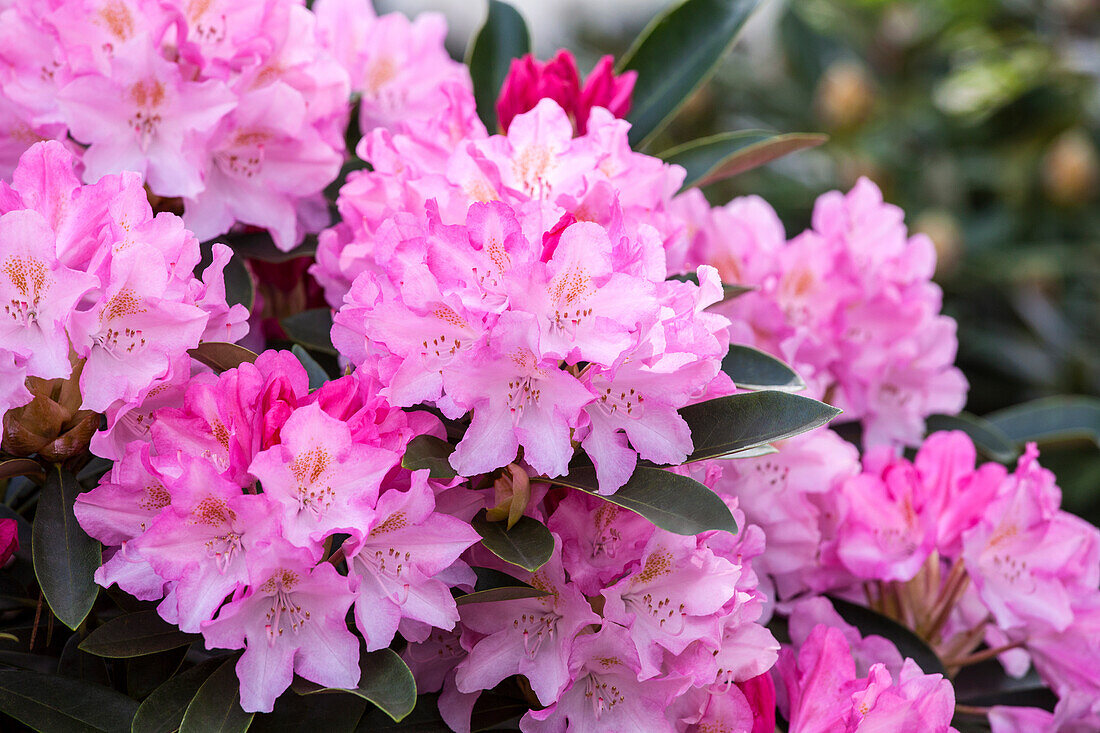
(527, 544)
(238, 280)
(221, 356)
(751, 368)
(260, 246)
(909, 644)
(216, 707)
(502, 38)
(985, 684)
(297, 713)
(712, 159)
(55, 704)
(311, 328)
(990, 440)
(1061, 419)
(675, 55)
(425, 718)
(493, 585)
(756, 452)
(384, 680)
(432, 453)
(672, 502)
(316, 373)
(134, 635)
(20, 467)
(730, 424)
(65, 558)
(162, 711)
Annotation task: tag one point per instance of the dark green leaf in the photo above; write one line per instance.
(221, 356)
(493, 585)
(216, 707)
(718, 157)
(909, 644)
(238, 280)
(20, 467)
(751, 368)
(81, 665)
(986, 684)
(503, 37)
(385, 680)
(1051, 420)
(988, 438)
(145, 674)
(65, 558)
(162, 711)
(425, 718)
(756, 452)
(323, 713)
(260, 246)
(737, 422)
(527, 544)
(311, 328)
(55, 704)
(496, 712)
(316, 373)
(432, 453)
(672, 502)
(134, 635)
(675, 55)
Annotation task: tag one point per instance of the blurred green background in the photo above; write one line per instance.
(981, 119)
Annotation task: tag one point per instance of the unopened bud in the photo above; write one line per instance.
(512, 492)
(52, 424)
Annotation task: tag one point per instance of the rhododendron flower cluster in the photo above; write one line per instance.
(962, 554)
(235, 108)
(94, 285)
(548, 330)
(848, 303)
(238, 495)
(638, 629)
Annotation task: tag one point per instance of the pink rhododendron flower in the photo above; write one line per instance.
(184, 93)
(290, 622)
(819, 691)
(530, 80)
(91, 277)
(849, 304)
(9, 539)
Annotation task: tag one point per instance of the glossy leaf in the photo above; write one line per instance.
(20, 467)
(221, 356)
(672, 502)
(716, 158)
(755, 452)
(56, 704)
(986, 684)
(134, 635)
(675, 55)
(502, 38)
(316, 373)
(1051, 420)
(909, 644)
(432, 453)
(311, 328)
(162, 711)
(216, 707)
(65, 558)
(425, 718)
(751, 368)
(493, 585)
(322, 713)
(734, 423)
(384, 680)
(990, 440)
(528, 544)
(260, 246)
(80, 665)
